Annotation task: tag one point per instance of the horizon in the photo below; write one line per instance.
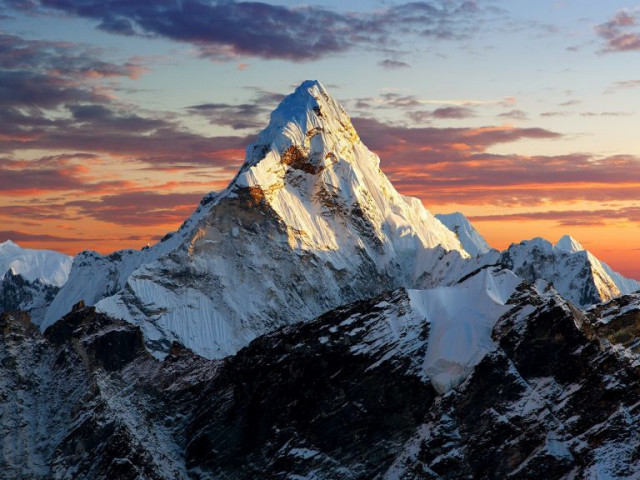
(115, 126)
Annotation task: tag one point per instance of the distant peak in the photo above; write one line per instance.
(453, 217)
(569, 244)
(9, 243)
(538, 242)
(470, 238)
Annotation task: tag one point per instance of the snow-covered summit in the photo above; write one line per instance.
(312, 168)
(300, 117)
(46, 266)
(569, 244)
(469, 237)
(626, 285)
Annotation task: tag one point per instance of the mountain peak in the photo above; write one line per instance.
(9, 244)
(315, 174)
(310, 222)
(308, 131)
(471, 240)
(569, 244)
(308, 96)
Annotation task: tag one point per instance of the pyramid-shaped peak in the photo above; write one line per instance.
(458, 217)
(569, 244)
(309, 106)
(470, 238)
(309, 130)
(9, 244)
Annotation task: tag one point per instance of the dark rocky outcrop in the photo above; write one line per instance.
(32, 297)
(550, 402)
(335, 398)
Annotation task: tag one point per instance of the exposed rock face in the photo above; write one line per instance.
(32, 297)
(549, 402)
(83, 401)
(617, 322)
(344, 396)
(101, 407)
(313, 398)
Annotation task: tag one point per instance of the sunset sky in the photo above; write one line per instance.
(117, 116)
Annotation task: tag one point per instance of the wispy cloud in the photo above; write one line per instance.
(623, 85)
(393, 64)
(514, 115)
(620, 33)
(455, 165)
(571, 217)
(125, 208)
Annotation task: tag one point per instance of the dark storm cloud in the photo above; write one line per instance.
(222, 29)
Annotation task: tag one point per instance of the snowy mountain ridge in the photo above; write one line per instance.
(576, 273)
(30, 279)
(46, 266)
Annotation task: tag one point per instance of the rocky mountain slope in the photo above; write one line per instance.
(346, 396)
(309, 223)
(551, 401)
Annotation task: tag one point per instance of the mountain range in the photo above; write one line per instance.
(309, 321)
